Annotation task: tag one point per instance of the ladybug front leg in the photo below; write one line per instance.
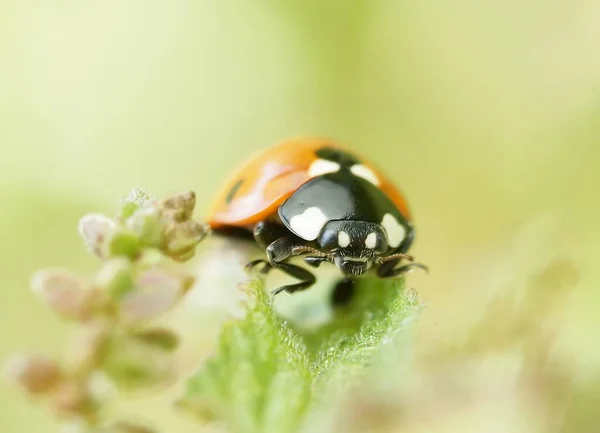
(280, 246)
(281, 250)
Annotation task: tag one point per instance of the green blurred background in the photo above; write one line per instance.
(486, 114)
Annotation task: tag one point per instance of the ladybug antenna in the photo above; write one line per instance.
(301, 249)
(398, 256)
(315, 257)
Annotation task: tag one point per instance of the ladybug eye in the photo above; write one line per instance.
(330, 239)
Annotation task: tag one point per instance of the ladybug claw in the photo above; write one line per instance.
(277, 291)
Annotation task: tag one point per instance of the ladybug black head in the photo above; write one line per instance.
(354, 245)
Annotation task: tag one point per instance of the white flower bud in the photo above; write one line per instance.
(68, 295)
(156, 291)
(94, 230)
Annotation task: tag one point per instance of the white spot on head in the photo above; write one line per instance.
(371, 241)
(364, 172)
(322, 166)
(309, 223)
(343, 239)
(395, 231)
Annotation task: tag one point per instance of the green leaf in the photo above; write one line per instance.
(259, 378)
(268, 375)
(342, 349)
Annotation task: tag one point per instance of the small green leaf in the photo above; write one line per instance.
(259, 378)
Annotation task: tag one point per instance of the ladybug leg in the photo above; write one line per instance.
(265, 233)
(280, 247)
(296, 272)
(389, 269)
(281, 250)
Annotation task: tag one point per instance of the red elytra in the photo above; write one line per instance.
(255, 191)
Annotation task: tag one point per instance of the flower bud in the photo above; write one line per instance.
(71, 399)
(178, 207)
(183, 255)
(68, 295)
(150, 258)
(156, 291)
(148, 225)
(137, 199)
(94, 230)
(36, 374)
(183, 238)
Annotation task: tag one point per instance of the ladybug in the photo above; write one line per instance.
(316, 199)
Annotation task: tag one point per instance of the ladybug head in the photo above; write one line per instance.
(354, 245)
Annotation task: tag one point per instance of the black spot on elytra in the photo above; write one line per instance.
(233, 191)
(344, 159)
